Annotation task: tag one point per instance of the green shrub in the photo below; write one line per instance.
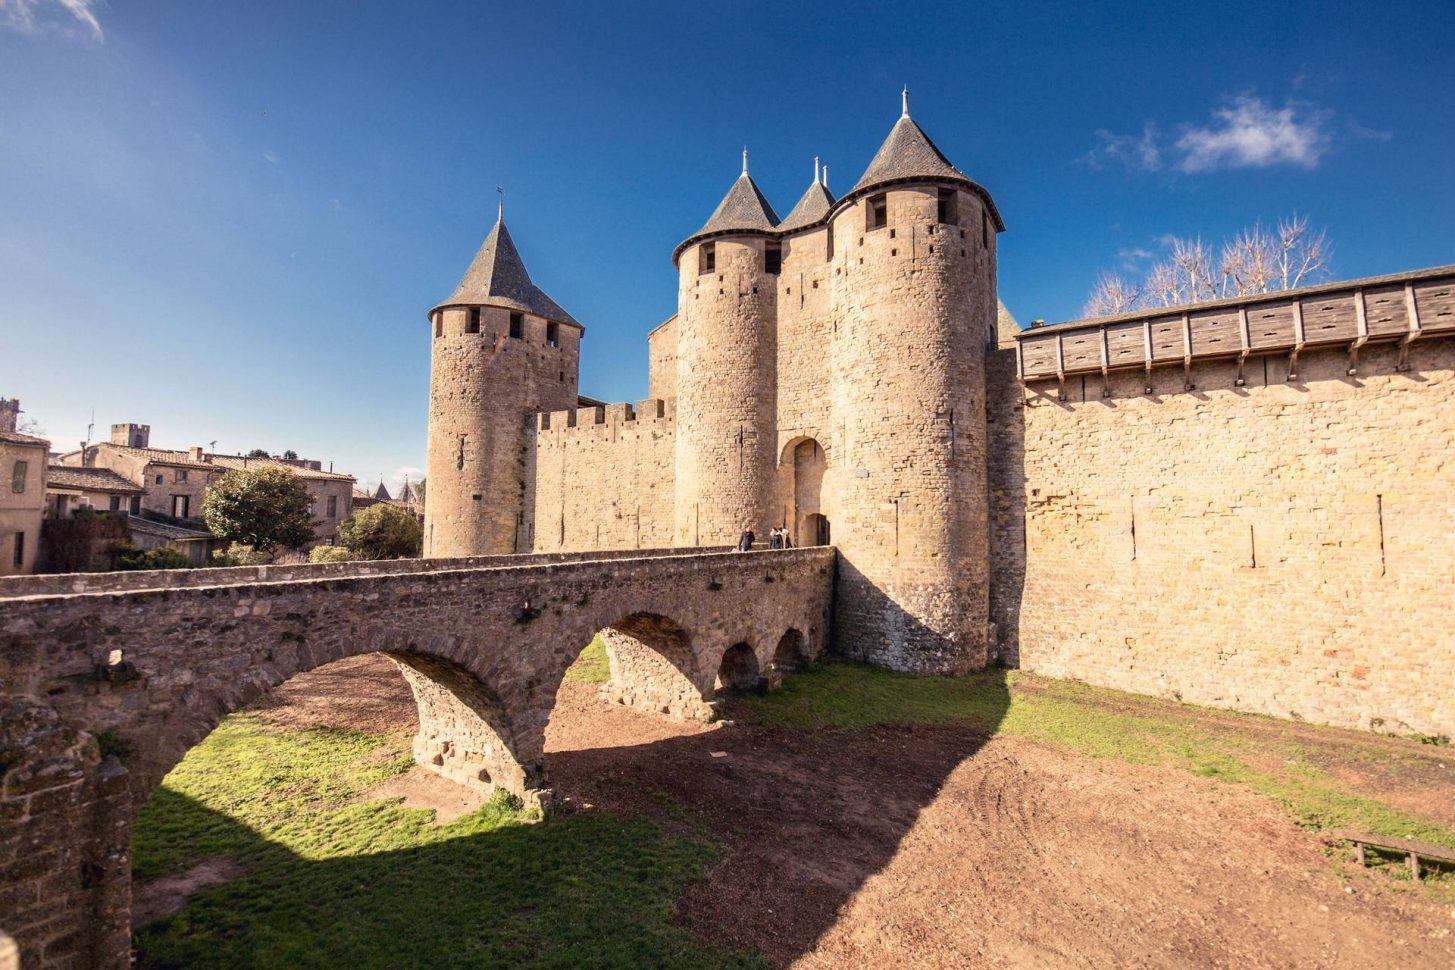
(332, 554)
(129, 558)
(381, 532)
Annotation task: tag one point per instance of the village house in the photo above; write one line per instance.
(22, 492)
(173, 482)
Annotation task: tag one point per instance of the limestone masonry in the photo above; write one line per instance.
(1244, 504)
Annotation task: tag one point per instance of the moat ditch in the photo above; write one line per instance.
(852, 818)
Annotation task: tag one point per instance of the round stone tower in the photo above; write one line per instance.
(914, 295)
(501, 351)
(726, 328)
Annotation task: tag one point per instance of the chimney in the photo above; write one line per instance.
(9, 413)
(196, 453)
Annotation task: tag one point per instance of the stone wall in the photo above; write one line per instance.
(600, 478)
(662, 360)
(1283, 547)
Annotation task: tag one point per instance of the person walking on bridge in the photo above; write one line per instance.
(745, 542)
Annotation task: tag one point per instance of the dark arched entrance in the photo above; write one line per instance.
(739, 669)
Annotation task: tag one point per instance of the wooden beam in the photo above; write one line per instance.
(1105, 365)
(1412, 311)
(1147, 351)
(1298, 340)
(1362, 320)
(1186, 352)
(1245, 344)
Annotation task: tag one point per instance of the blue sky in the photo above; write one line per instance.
(227, 220)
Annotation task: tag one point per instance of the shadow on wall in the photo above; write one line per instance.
(906, 643)
(1005, 425)
(804, 818)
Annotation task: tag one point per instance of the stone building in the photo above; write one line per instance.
(823, 372)
(173, 481)
(1242, 503)
(22, 492)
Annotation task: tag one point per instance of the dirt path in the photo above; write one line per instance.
(932, 846)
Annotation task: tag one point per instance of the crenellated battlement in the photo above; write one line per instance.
(652, 413)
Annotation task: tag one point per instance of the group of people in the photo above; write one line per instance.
(777, 539)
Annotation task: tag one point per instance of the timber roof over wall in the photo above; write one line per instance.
(1400, 307)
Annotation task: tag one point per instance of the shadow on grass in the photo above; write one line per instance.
(587, 890)
(786, 824)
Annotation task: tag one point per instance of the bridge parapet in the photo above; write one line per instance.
(120, 582)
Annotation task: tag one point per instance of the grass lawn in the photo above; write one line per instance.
(592, 666)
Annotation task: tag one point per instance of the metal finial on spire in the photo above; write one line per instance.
(905, 99)
(825, 176)
(815, 168)
(745, 159)
(500, 211)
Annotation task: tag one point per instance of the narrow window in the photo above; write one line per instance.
(179, 475)
(773, 259)
(472, 321)
(517, 324)
(878, 212)
(945, 212)
(830, 252)
(439, 324)
(553, 333)
(333, 506)
(18, 475)
(159, 479)
(984, 232)
(706, 258)
(116, 503)
(179, 506)
(20, 549)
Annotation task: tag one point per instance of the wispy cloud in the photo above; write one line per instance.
(270, 158)
(1133, 257)
(28, 16)
(1249, 133)
(1245, 132)
(1131, 151)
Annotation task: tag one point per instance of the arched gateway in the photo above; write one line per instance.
(107, 681)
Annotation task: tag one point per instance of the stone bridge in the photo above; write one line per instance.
(107, 681)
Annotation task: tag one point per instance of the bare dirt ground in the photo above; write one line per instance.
(934, 846)
(165, 895)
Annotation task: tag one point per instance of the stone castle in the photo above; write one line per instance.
(1243, 503)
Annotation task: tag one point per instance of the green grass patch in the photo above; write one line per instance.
(592, 666)
(1098, 723)
(335, 879)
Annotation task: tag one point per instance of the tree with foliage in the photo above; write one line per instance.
(128, 558)
(381, 532)
(261, 508)
(419, 492)
(290, 455)
(258, 453)
(331, 554)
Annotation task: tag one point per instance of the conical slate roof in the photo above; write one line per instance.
(497, 277)
(814, 205)
(744, 207)
(907, 153)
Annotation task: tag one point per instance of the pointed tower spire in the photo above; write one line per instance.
(904, 113)
(497, 277)
(813, 205)
(500, 209)
(745, 159)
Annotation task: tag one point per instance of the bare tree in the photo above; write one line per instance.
(1111, 294)
(1302, 251)
(1255, 260)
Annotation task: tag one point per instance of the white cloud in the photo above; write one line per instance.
(1132, 151)
(21, 15)
(270, 158)
(1249, 133)
(396, 480)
